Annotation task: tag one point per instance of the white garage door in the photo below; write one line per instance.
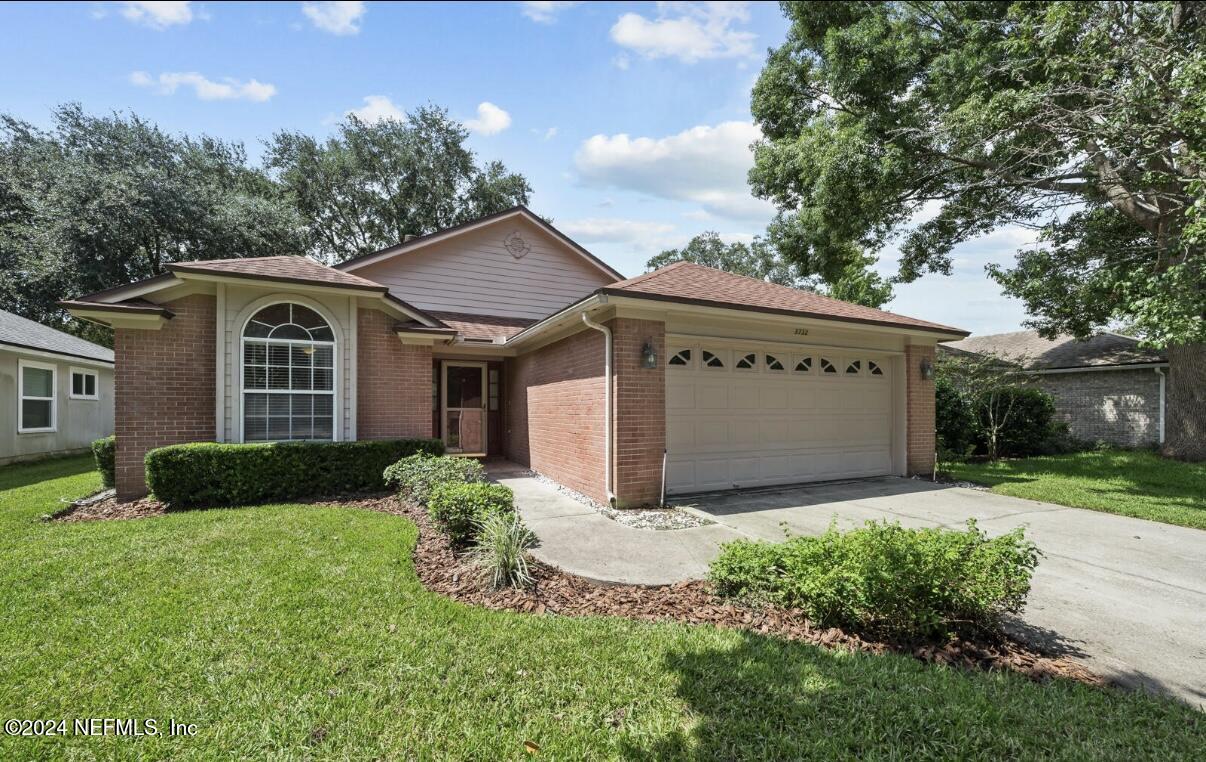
(760, 414)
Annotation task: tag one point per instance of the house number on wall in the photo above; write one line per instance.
(801, 331)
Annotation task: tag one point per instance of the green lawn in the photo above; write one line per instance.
(1140, 484)
(293, 632)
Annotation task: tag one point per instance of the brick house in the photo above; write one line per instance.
(507, 339)
(1106, 388)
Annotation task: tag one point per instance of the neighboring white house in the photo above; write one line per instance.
(56, 390)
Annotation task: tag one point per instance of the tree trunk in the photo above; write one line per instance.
(1185, 403)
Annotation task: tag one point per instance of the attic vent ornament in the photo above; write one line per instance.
(516, 245)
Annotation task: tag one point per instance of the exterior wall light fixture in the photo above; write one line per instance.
(648, 356)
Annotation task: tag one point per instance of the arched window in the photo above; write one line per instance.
(288, 375)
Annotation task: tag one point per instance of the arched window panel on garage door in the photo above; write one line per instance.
(747, 361)
(854, 367)
(682, 357)
(773, 364)
(874, 368)
(828, 366)
(714, 359)
(802, 364)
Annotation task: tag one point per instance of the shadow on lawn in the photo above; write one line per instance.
(773, 699)
(25, 473)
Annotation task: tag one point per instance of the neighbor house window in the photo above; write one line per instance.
(83, 384)
(36, 409)
(288, 375)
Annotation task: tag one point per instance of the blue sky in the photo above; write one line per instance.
(631, 120)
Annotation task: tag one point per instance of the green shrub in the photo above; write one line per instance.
(414, 477)
(211, 473)
(885, 580)
(501, 549)
(1018, 417)
(953, 421)
(457, 507)
(104, 451)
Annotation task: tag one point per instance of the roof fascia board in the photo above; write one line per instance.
(116, 319)
(672, 304)
(132, 290)
(25, 349)
(1091, 368)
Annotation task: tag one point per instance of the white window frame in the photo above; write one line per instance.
(689, 365)
(336, 397)
(778, 357)
(724, 355)
(95, 384)
(813, 364)
(53, 398)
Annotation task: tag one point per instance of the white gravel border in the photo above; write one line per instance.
(658, 519)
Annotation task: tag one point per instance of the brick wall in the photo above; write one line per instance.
(554, 412)
(164, 387)
(1117, 406)
(393, 388)
(920, 442)
(640, 411)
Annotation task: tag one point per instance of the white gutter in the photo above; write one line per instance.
(1160, 373)
(611, 497)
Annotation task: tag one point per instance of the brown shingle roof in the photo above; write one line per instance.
(1036, 353)
(696, 284)
(482, 326)
(293, 269)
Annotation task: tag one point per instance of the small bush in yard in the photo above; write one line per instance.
(104, 451)
(212, 473)
(885, 580)
(501, 548)
(458, 508)
(416, 476)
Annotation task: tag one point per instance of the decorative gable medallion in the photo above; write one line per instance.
(516, 245)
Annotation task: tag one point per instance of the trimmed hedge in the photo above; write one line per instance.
(212, 473)
(104, 451)
(459, 509)
(416, 476)
(886, 580)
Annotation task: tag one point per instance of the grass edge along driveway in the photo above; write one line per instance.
(1135, 483)
(290, 631)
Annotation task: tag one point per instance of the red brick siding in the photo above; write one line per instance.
(640, 411)
(919, 413)
(554, 412)
(393, 385)
(164, 387)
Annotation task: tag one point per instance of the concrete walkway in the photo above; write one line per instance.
(584, 542)
(1125, 596)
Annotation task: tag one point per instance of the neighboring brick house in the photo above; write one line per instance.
(1106, 388)
(507, 339)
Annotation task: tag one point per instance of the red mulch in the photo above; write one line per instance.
(443, 571)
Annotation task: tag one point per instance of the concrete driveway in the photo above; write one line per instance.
(1126, 596)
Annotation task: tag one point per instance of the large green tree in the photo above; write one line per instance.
(98, 201)
(854, 281)
(1086, 120)
(372, 184)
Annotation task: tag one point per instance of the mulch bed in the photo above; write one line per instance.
(442, 570)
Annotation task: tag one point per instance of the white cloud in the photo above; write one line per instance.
(377, 108)
(157, 15)
(545, 12)
(687, 31)
(550, 133)
(490, 120)
(342, 18)
(206, 89)
(622, 62)
(617, 230)
(704, 165)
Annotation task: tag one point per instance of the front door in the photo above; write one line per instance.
(464, 391)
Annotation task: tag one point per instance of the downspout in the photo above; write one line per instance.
(611, 496)
(1160, 373)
